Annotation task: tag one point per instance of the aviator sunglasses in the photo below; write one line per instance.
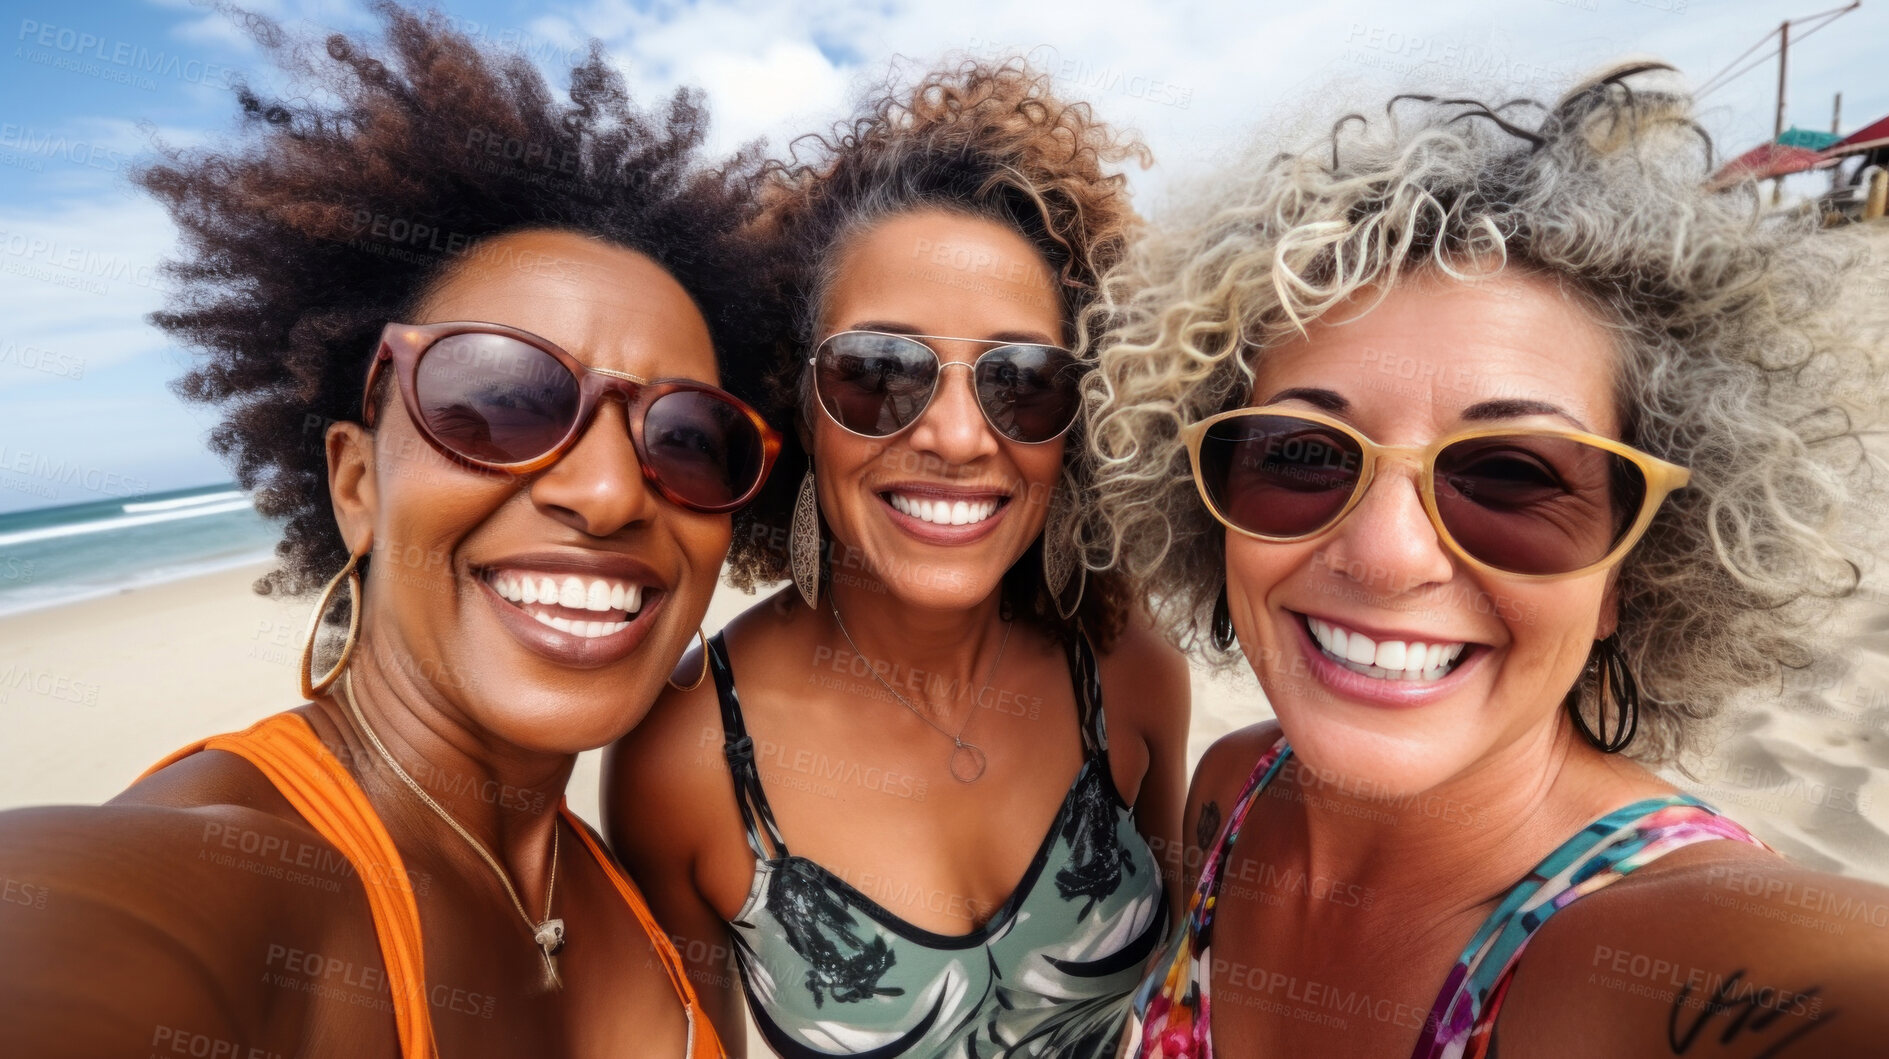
(501, 399)
(876, 384)
(1538, 503)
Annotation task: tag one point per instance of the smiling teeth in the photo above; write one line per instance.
(944, 512)
(594, 594)
(1386, 660)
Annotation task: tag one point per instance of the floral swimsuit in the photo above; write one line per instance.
(1174, 1009)
(829, 971)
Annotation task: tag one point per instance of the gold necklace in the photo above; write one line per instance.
(967, 759)
(549, 932)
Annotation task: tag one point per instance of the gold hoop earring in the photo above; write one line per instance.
(703, 675)
(310, 686)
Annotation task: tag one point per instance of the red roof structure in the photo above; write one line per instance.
(1766, 161)
(1878, 131)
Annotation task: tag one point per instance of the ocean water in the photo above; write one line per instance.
(54, 555)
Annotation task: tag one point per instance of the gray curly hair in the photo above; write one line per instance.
(1731, 362)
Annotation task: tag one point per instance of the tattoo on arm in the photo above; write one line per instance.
(1753, 1009)
(1207, 827)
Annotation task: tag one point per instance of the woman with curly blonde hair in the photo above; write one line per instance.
(970, 753)
(1503, 450)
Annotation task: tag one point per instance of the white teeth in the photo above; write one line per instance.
(944, 512)
(1390, 660)
(1391, 653)
(589, 630)
(1361, 650)
(598, 595)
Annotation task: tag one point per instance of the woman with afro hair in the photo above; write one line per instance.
(928, 824)
(467, 339)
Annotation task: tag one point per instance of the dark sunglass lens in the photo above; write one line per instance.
(1279, 476)
(704, 450)
(494, 399)
(1534, 504)
(1029, 393)
(874, 384)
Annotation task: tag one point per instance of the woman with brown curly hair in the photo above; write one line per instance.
(467, 338)
(1506, 453)
(945, 727)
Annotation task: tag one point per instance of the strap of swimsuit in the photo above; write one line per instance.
(1205, 892)
(1087, 680)
(288, 753)
(738, 749)
(1598, 855)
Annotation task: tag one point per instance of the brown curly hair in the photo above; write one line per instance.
(988, 140)
(342, 204)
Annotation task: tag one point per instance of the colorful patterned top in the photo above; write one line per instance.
(829, 971)
(1173, 1010)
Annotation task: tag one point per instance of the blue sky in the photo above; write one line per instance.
(86, 90)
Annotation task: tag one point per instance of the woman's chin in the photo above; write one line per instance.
(569, 722)
(1367, 761)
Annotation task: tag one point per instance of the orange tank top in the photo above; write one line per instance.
(286, 750)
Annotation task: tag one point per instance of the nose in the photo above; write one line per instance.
(598, 486)
(953, 427)
(1387, 543)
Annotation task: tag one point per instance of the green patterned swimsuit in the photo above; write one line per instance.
(830, 972)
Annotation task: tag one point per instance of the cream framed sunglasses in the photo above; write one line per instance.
(1528, 502)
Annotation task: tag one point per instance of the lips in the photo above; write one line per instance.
(580, 610)
(949, 515)
(1427, 659)
(1383, 686)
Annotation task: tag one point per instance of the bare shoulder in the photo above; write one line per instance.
(1145, 680)
(1718, 949)
(665, 767)
(1228, 762)
(669, 802)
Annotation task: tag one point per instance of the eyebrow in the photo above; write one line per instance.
(1035, 338)
(1480, 412)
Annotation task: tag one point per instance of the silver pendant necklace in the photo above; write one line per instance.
(967, 759)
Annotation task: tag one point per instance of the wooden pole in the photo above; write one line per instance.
(1878, 195)
(1836, 129)
(1783, 49)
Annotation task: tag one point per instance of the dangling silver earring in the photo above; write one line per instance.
(803, 543)
(1059, 549)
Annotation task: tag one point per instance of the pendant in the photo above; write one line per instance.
(967, 762)
(550, 936)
